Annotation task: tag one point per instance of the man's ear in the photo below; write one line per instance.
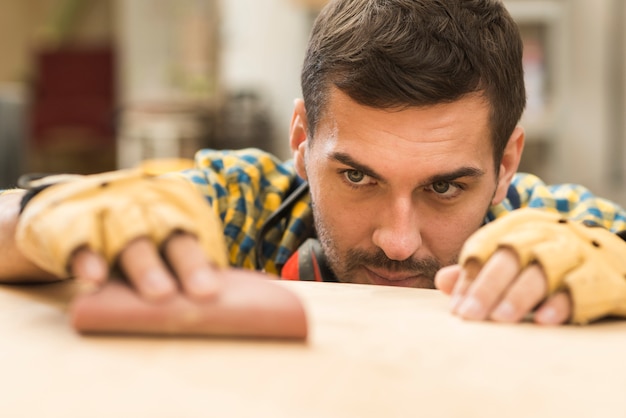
(509, 164)
(298, 137)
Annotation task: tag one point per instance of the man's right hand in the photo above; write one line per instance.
(156, 275)
(174, 240)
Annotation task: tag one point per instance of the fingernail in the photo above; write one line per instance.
(454, 302)
(203, 284)
(504, 312)
(93, 269)
(547, 315)
(471, 308)
(157, 285)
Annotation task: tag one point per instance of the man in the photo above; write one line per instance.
(405, 143)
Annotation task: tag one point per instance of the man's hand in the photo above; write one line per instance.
(537, 261)
(156, 275)
(159, 232)
(502, 292)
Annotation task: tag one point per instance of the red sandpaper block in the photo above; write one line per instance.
(245, 307)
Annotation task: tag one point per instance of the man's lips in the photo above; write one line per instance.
(387, 278)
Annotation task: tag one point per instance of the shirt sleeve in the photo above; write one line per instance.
(573, 201)
(243, 187)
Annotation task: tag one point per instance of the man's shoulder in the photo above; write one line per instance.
(222, 158)
(574, 201)
(243, 166)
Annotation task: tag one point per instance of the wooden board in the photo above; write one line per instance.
(372, 351)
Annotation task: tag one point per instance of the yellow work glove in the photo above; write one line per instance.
(106, 211)
(587, 262)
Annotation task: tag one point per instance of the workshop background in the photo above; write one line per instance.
(94, 85)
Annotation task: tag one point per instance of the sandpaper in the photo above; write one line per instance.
(247, 306)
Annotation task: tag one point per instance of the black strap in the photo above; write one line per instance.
(275, 218)
(311, 252)
(25, 181)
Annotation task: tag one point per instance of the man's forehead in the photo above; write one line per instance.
(406, 144)
(467, 116)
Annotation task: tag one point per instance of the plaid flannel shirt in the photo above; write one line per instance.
(246, 186)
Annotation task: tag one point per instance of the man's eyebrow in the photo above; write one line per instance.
(454, 175)
(441, 177)
(347, 160)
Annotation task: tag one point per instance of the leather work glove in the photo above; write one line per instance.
(587, 262)
(107, 211)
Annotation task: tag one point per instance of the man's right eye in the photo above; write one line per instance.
(354, 176)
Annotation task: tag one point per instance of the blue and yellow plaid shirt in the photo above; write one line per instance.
(246, 186)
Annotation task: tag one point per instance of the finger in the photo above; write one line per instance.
(89, 267)
(467, 275)
(489, 286)
(446, 278)
(146, 270)
(554, 311)
(522, 296)
(196, 274)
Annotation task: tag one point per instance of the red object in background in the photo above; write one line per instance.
(74, 89)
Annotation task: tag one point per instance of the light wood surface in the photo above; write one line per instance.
(373, 352)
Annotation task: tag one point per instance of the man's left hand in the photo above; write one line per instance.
(502, 292)
(536, 261)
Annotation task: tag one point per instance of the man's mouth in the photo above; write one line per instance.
(398, 278)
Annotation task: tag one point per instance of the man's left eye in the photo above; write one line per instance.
(445, 189)
(441, 187)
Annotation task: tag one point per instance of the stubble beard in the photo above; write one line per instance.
(346, 265)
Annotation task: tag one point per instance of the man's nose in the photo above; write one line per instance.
(398, 230)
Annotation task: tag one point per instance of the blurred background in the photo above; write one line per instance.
(94, 85)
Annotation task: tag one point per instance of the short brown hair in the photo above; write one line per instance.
(404, 53)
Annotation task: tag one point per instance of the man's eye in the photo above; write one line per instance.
(354, 176)
(441, 187)
(445, 189)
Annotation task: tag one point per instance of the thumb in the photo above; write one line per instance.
(89, 267)
(447, 277)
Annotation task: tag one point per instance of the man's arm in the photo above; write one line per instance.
(49, 241)
(14, 267)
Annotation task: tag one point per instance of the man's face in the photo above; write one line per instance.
(396, 193)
